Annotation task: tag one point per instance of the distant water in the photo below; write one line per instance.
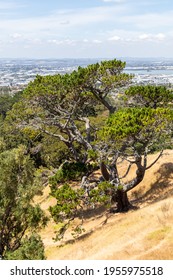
(151, 71)
(15, 72)
(149, 68)
(151, 76)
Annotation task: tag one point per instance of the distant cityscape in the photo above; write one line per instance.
(17, 73)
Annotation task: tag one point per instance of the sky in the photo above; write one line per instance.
(86, 28)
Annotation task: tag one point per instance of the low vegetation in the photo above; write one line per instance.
(65, 128)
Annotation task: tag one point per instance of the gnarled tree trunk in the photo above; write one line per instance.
(119, 197)
(120, 202)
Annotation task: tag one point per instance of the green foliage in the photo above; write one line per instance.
(149, 96)
(101, 194)
(14, 136)
(30, 137)
(72, 202)
(30, 133)
(92, 154)
(31, 248)
(53, 152)
(137, 123)
(57, 107)
(2, 145)
(81, 86)
(18, 186)
(61, 89)
(7, 101)
(77, 231)
(66, 115)
(68, 202)
(69, 171)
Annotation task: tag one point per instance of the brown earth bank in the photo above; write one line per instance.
(145, 233)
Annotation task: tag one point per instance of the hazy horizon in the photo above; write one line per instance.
(85, 58)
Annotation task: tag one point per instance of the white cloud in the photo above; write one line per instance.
(124, 25)
(114, 38)
(61, 42)
(54, 41)
(148, 21)
(152, 37)
(16, 35)
(61, 20)
(160, 36)
(62, 24)
(65, 22)
(144, 36)
(70, 42)
(97, 41)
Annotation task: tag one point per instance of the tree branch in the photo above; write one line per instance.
(139, 175)
(127, 172)
(87, 127)
(161, 153)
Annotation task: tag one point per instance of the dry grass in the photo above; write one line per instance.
(146, 233)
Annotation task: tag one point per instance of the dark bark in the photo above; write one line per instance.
(104, 171)
(1, 249)
(121, 202)
(140, 172)
(98, 95)
(119, 198)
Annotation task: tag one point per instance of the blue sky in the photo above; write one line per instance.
(86, 28)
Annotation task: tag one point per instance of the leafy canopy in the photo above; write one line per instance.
(138, 127)
(31, 248)
(17, 189)
(135, 121)
(149, 96)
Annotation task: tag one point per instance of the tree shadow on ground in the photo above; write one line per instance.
(163, 187)
(159, 190)
(93, 212)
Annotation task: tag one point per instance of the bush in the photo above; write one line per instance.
(32, 248)
(69, 171)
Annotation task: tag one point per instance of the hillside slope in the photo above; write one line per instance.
(145, 233)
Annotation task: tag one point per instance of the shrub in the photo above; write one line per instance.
(32, 248)
(69, 171)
